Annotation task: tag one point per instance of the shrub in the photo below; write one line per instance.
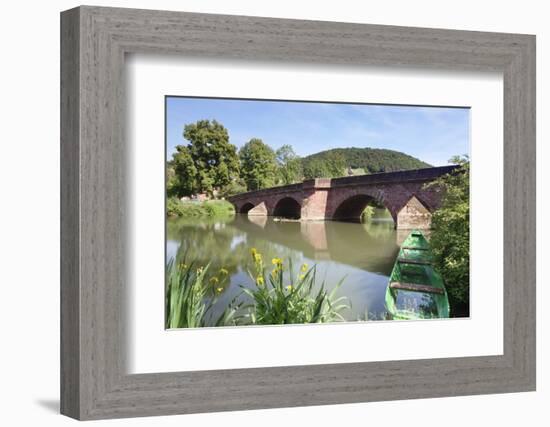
(191, 209)
(173, 207)
(217, 208)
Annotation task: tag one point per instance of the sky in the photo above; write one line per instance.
(431, 134)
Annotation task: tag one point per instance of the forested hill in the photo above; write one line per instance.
(362, 160)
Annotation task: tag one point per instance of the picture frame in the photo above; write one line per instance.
(94, 241)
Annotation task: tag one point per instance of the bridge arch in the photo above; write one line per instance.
(351, 208)
(245, 208)
(288, 207)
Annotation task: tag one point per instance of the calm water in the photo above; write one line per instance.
(362, 254)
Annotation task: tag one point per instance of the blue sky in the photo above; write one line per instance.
(431, 134)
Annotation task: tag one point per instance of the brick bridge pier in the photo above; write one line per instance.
(403, 193)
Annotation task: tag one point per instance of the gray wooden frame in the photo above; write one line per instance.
(94, 41)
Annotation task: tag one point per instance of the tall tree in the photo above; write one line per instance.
(290, 165)
(331, 165)
(315, 168)
(336, 164)
(258, 165)
(214, 158)
(182, 173)
(171, 180)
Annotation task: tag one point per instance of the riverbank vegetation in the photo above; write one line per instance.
(210, 164)
(191, 292)
(275, 295)
(450, 236)
(194, 209)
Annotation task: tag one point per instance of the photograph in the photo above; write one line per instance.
(297, 212)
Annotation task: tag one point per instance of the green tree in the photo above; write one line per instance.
(450, 237)
(315, 168)
(331, 165)
(214, 158)
(182, 173)
(171, 180)
(234, 187)
(336, 164)
(290, 166)
(258, 165)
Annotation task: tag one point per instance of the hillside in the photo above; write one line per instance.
(365, 160)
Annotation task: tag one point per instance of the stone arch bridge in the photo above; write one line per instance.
(403, 193)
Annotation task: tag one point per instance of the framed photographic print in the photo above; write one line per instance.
(261, 213)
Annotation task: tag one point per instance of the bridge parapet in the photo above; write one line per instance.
(266, 191)
(317, 183)
(426, 174)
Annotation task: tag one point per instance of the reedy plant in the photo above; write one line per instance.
(275, 302)
(191, 294)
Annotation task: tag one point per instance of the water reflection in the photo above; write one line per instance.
(362, 253)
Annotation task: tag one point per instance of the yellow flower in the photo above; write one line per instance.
(214, 280)
(304, 268)
(223, 271)
(260, 280)
(258, 257)
(199, 270)
(219, 289)
(289, 288)
(276, 261)
(301, 276)
(183, 266)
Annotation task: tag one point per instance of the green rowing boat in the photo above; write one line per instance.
(415, 289)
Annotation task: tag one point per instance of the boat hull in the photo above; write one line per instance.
(415, 288)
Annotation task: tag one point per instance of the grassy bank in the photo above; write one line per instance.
(191, 209)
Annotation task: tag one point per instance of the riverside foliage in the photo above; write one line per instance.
(208, 209)
(450, 236)
(277, 296)
(191, 294)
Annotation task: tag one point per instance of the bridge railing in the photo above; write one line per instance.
(270, 190)
(424, 174)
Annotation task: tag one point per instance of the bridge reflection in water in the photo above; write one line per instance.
(363, 254)
(368, 246)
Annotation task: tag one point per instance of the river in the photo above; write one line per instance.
(360, 254)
